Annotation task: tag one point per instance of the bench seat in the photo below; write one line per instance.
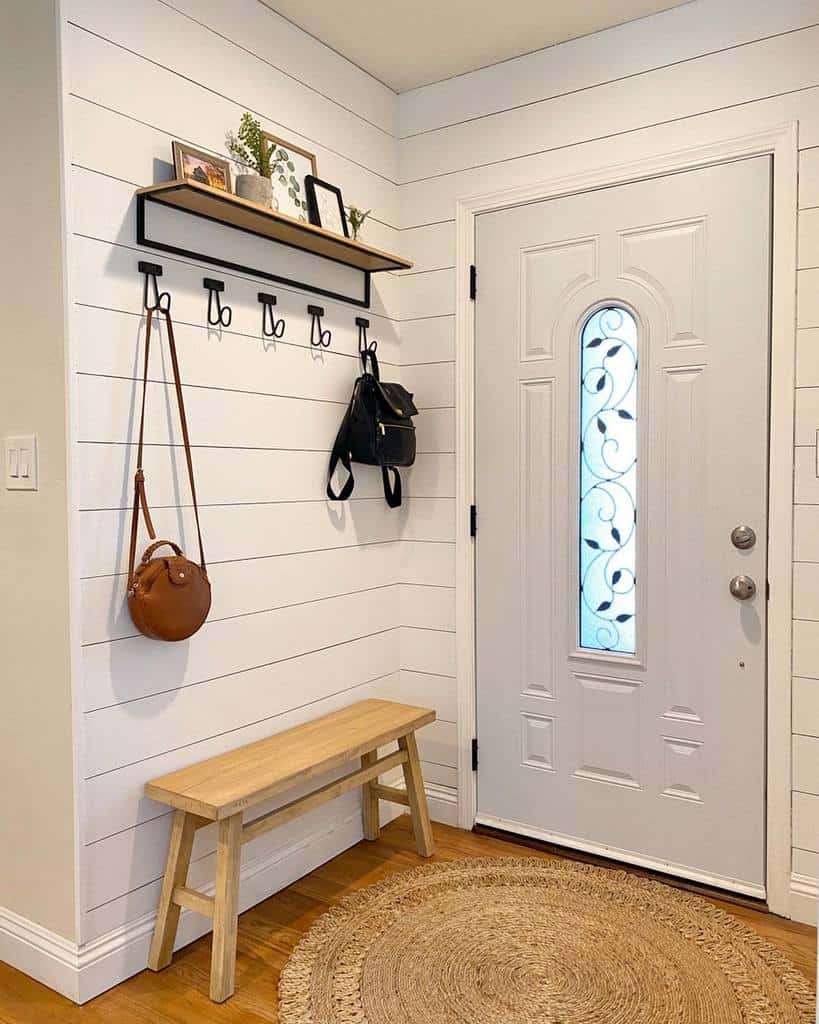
(222, 788)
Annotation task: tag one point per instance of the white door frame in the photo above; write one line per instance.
(779, 142)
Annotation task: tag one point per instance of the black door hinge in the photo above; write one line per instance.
(473, 282)
(474, 755)
(473, 520)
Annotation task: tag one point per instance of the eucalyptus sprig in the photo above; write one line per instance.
(248, 147)
(356, 218)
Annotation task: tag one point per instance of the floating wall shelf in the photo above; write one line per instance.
(253, 219)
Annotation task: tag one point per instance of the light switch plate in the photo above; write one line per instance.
(20, 460)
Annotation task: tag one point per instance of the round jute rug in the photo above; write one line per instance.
(534, 941)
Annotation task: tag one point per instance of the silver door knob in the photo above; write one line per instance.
(742, 587)
(743, 537)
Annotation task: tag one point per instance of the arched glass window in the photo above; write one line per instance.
(608, 481)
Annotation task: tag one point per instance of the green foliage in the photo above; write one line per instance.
(356, 218)
(247, 147)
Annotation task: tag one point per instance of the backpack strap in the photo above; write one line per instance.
(341, 453)
(392, 493)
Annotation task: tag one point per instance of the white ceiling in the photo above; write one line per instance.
(407, 43)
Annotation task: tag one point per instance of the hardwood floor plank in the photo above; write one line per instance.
(269, 932)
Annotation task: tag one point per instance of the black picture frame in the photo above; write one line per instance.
(317, 196)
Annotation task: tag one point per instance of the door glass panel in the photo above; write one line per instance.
(608, 481)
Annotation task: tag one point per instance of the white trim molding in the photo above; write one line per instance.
(803, 892)
(780, 143)
(81, 972)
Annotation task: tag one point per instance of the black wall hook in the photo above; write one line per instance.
(271, 327)
(365, 348)
(161, 300)
(324, 337)
(224, 314)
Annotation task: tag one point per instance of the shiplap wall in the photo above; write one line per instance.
(313, 603)
(706, 71)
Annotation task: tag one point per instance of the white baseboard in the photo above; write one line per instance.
(82, 972)
(802, 899)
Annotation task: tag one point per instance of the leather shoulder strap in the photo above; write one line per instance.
(140, 500)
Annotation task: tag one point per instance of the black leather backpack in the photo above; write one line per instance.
(377, 430)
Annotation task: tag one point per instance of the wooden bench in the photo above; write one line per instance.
(222, 788)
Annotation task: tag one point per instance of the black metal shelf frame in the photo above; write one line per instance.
(152, 243)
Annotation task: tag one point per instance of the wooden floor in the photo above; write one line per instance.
(269, 931)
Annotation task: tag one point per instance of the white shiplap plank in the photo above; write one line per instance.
(807, 415)
(262, 31)
(149, 61)
(427, 607)
(806, 863)
(761, 69)
(253, 585)
(806, 588)
(428, 650)
(237, 532)
(806, 482)
(437, 692)
(430, 339)
(809, 238)
(224, 476)
(434, 199)
(624, 51)
(427, 564)
(117, 736)
(806, 706)
(806, 821)
(114, 799)
(806, 764)
(807, 304)
(807, 357)
(432, 476)
(428, 294)
(433, 384)
(806, 647)
(431, 519)
(136, 668)
(438, 743)
(809, 178)
(430, 247)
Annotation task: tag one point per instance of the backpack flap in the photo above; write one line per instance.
(397, 399)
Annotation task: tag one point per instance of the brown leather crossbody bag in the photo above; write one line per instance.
(168, 596)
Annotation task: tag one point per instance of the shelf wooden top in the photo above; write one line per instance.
(238, 779)
(227, 208)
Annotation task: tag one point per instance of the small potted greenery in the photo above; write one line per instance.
(356, 218)
(250, 150)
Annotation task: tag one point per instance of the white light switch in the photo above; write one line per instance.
(21, 463)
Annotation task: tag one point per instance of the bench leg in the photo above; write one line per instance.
(369, 801)
(176, 873)
(226, 909)
(414, 780)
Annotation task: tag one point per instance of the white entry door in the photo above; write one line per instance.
(622, 341)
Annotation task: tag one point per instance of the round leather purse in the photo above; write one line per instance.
(168, 595)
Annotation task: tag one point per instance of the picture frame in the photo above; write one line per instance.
(326, 206)
(191, 164)
(290, 165)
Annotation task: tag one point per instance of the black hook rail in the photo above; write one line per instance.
(271, 327)
(161, 300)
(324, 337)
(224, 314)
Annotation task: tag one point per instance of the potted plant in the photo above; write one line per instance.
(249, 149)
(356, 218)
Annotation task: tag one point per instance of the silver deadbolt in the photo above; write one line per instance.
(742, 587)
(743, 537)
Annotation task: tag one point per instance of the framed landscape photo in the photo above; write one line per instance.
(289, 166)
(194, 165)
(326, 206)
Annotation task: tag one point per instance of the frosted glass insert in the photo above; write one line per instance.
(608, 481)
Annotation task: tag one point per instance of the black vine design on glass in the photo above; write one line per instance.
(608, 478)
